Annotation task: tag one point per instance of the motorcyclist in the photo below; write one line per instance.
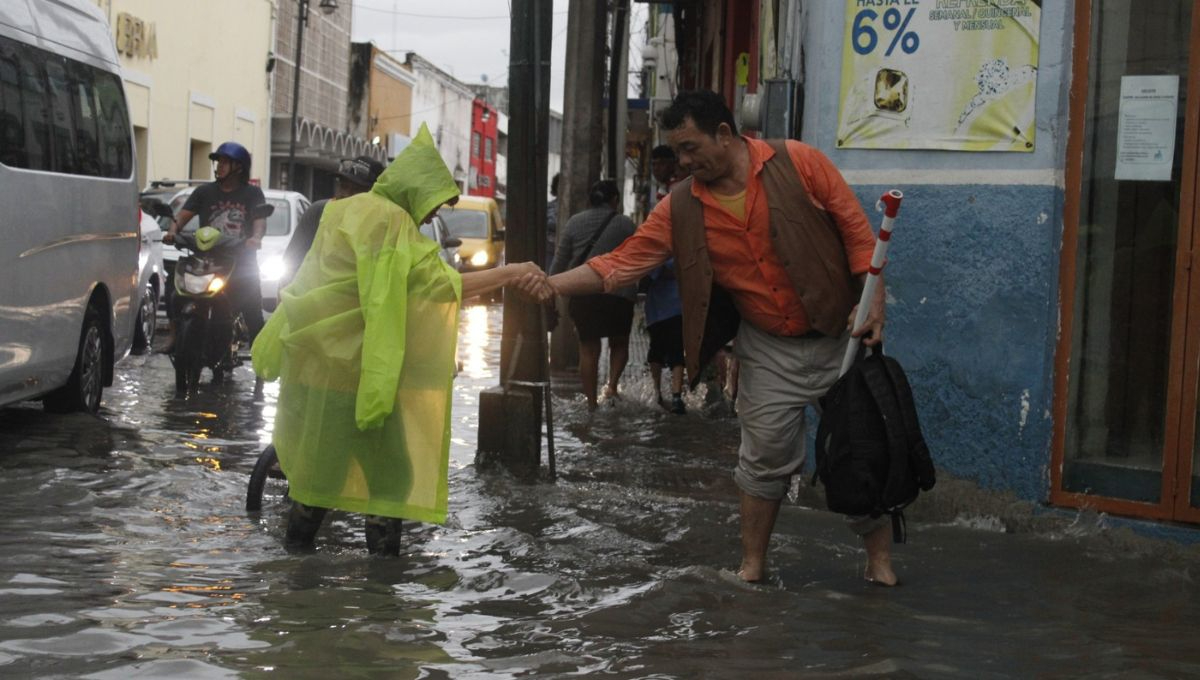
(226, 204)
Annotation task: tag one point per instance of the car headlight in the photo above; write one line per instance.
(479, 259)
(272, 270)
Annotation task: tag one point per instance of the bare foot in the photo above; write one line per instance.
(879, 557)
(751, 572)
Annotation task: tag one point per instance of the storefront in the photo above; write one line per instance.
(1127, 375)
(1042, 291)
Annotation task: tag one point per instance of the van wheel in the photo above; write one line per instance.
(143, 336)
(84, 387)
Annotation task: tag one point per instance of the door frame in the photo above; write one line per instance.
(1187, 374)
(1183, 373)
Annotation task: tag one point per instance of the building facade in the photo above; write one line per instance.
(323, 133)
(189, 88)
(1041, 288)
(481, 179)
(381, 95)
(445, 105)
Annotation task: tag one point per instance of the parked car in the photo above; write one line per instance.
(152, 274)
(476, 220)
(69, 237)
(289, 205)
(437, 231)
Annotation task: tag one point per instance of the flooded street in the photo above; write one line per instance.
(128, 554)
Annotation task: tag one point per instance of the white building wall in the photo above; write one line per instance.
(444, 104)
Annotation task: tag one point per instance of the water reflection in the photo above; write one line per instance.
(474, 339)
(127, 553)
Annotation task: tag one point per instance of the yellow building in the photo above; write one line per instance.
(382, 104)
(196, 74)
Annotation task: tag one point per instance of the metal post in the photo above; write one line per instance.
(616, 89)
(523, 346)
(301, 22)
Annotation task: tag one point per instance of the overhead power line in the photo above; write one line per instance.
(437, 16)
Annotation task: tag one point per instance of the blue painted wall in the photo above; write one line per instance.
(973, 269)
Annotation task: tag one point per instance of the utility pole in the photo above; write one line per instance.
(583, 136)
(510, 416)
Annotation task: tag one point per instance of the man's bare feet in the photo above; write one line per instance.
(879, 556)
(751, 572)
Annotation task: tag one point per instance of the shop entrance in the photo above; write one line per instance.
(1126, 436)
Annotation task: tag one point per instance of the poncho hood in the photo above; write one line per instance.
(418, 179)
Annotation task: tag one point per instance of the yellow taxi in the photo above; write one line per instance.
(476, 221)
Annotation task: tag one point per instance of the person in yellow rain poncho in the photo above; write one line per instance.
(363, 343)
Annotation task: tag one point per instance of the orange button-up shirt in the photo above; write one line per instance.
(740, 249)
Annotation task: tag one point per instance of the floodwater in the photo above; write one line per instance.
(127, 553)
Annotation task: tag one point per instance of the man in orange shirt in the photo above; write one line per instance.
(768, 232)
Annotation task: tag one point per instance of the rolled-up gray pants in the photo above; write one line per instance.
(777, 378)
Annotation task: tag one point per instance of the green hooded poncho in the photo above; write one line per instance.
(364, 342)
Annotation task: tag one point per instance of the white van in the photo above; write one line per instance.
(69, 215)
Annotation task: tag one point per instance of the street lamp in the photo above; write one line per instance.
(327, 7)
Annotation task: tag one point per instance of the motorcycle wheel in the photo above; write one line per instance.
(268, 486)
(189, 355)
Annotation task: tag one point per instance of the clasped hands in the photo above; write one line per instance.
(533, 282)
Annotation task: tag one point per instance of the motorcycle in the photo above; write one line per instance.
(209, 331)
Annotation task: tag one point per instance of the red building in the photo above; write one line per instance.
(482, 179)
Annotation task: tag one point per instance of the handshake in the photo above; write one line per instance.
(529, 278)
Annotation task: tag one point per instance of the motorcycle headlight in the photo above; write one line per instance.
(479, 259)
(197, 284)
(216, 284)
(273, 269)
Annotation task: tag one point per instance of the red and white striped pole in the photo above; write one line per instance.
(890, 204)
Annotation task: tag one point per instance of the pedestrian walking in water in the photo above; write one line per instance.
(767, 232)
(363, 343)
(600, 314)
(664, 324)
(664, 316)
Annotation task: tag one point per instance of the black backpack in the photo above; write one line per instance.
(871, 456)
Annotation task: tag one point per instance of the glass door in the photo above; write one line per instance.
(1128, 293)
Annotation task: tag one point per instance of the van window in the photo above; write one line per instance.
(465, 223)
(62, 127)
(61, 115)
(116, 148)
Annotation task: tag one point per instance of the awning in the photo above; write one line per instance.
(318, 145)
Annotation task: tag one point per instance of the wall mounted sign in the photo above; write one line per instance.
(1146, 127)
(939, 74)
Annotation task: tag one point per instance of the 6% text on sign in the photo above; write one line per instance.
(866, 38)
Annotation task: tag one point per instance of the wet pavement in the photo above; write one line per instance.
(127, 553)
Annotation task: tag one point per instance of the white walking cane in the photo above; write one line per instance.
(890, 204)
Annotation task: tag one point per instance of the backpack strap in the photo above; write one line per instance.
(595, 238)
(879, 384)
(899, 527)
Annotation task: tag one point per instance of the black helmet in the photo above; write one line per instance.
(361, 171)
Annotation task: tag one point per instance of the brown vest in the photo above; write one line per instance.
(807, 243)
